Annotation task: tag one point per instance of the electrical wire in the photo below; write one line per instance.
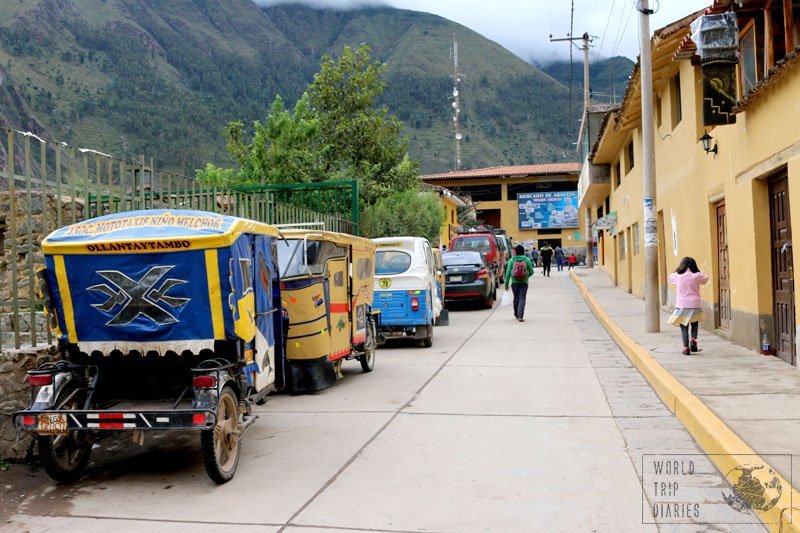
(571, 21)
(624, 29)
(608, 22)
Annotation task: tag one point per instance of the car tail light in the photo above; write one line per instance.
(204, 382)
(199, 419)
(39, 380)
(415, 304)
(482, 274)
(28, 420)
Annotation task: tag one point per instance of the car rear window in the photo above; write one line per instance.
(478, 243)
(388, 262)
(463, 258)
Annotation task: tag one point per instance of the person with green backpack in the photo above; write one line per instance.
(518, 271)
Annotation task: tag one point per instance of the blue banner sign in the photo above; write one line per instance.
(547, 210)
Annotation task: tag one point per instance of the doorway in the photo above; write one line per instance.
(629, 257)
(662, 260)
(782, 276)
(488, 216)
(601, 247)
(723, 318)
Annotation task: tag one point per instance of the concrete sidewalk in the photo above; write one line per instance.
(723, 392)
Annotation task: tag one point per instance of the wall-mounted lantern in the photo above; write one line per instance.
(706, 140)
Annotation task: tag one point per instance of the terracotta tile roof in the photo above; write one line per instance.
(508, 171)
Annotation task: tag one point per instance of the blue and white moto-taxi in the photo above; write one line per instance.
(166, 320)
(405, 289)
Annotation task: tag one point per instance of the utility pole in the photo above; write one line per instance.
(456, 104)
(652, 313)
(586, 40)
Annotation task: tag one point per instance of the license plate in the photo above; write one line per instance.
(456, 278)
(52, 424)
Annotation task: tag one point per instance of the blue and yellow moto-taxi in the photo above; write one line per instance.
(166, 320)
(406, 290)
(326, 289)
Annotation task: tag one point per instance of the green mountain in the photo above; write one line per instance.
(608, 77)
(163, 77)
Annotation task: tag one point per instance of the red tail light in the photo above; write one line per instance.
(415, 304)
(199, 419)
(482, 274)
(39, 380)
(28, 420)
(204, 382)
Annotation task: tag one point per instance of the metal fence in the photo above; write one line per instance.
(45, 185)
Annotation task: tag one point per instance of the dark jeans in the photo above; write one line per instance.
(685, 333)
(560, 263)
(545, 267)
(520, 291)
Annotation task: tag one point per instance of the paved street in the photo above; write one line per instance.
(501, 426)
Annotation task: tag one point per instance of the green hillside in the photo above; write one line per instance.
(608, 78)
(163, 77)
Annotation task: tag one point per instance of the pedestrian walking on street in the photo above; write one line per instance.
(518, 271)
(688, 305)
(534, 257)
(559, 253)
(546, 253)
(571, 260)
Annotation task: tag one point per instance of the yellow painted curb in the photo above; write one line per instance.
(722, 445)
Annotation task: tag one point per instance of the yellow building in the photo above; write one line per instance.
(450, 203)
(732, 207)
(498, 194)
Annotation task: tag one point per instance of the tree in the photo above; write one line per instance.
(407, 212)
(280, 150)
(214, 176)
(355, 132)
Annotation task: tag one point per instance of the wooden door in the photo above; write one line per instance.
(782, 275)
(723, 318)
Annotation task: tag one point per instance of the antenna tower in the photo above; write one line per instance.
(456, 103)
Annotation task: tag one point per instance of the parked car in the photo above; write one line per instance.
(469, 277)
(486, 244)
(405, 289)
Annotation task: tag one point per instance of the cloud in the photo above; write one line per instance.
(341, 5)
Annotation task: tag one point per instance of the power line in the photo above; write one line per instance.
(621, 34)
(571, 21)
(608, 22)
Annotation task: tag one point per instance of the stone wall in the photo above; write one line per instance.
(15, 395)
(23, 322)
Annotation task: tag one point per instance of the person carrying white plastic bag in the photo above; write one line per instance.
(518, 271)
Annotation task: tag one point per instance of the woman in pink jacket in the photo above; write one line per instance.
(688, 305)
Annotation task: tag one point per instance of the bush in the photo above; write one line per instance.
(406, 213)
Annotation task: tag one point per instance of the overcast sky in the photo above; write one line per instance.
(524, 26)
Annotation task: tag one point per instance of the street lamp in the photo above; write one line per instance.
(706, 140)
